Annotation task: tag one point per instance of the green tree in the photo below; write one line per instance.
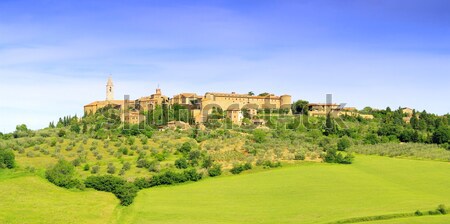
(7, 159)
(344, 143)
(300, 107)
(62, 174)
(441, 135)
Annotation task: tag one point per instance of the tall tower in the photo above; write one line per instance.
(109, 89)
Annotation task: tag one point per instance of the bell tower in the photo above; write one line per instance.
(109, 89)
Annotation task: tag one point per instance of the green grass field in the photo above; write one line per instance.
(301, 193)
(307, 193)
(32, 200)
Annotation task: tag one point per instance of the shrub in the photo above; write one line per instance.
(418, 213)
(62, 174)
(126, 166)
(269, 164)
(239, 168)
(126, 193)
(333, 157)
(442, 209)
(207, 162)
(123, 190)
(299, 156)
(76, 162)
(95, 169)
(215, 170)
(181, 163)
(170, 177)
(142, 183)
(7, 159)
(111, 168)
(153, 166)
(344, 143)
(185, 148)
(194, 157)
(86, 167)
(192, 175)
(259, 136)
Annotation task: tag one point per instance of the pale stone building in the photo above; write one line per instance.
(200, 106)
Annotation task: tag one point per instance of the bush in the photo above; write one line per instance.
(299, 156)
(62, 174)
(123, 190)
(181, 163)
(143, 163)
(185, 148)
(333, 157)
(344, 143)
(7, 159)
(192, 175)
(95, 169)
(86, 167)
(170, 177)
(105, 183)
(126, 166)
(111, 168)
(269, 164)
(442, 210)
(215, 170)
(239, 168)
(126, 193)
(207, 162)
(142, 183)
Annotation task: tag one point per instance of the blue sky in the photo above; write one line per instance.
(55, 56)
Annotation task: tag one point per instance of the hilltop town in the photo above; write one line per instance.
(235, 106)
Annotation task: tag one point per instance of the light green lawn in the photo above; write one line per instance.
(307, 193)
(31, 199)
(417, 220)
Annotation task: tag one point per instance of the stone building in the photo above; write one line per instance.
(200, 106)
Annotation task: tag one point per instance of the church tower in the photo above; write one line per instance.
(109, 90)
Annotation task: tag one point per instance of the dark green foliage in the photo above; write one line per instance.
(371, 139)
(142, 183)
(111, 168)
(86, 167)
(194, 157)
(300, 107)
(126, 166)
(239, 168)
(143, 163)
(207, 162)
(441, 135)
(105, 183)
(7, 159)
(181, 163)
(62, 174)
(126, 193)
(215, 170)
(269, 164)
(442, 209)
(171, 178)
(344, 143)
(185, 148)
(192, 175)
(123, 190)
(95, 169)
(61, 133)
(334, 157)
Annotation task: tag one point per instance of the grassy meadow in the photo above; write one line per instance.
(305, 193)
(32, 199)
